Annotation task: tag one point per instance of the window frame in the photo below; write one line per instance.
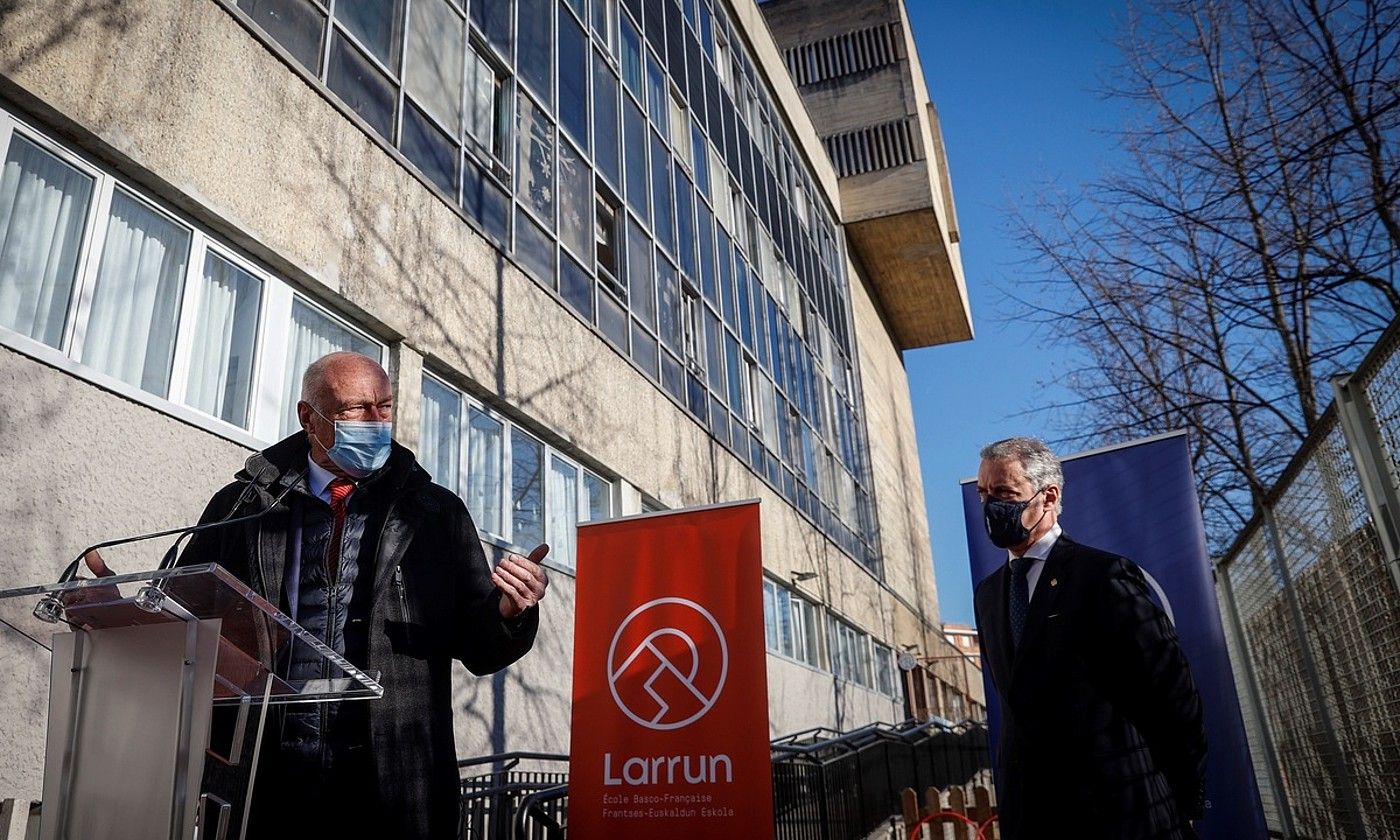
(264, 409)
(549, 453)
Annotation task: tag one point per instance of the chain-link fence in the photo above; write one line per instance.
(1313, 601)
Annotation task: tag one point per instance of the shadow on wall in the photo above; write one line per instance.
(67, 19)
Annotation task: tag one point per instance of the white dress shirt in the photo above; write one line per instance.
(1039, 550)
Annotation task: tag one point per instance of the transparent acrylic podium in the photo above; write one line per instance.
(139, 664)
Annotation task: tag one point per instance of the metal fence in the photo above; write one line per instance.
(1311, 594)
(826, 785)
(496, 788)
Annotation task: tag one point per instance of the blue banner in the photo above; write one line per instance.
(1139, 500)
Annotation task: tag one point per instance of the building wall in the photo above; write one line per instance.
(184, 104)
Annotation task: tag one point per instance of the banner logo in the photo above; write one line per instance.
(667, 663)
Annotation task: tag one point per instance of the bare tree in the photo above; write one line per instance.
(1249, 249)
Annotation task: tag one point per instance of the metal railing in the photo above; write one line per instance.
(1311, 595)
(496, 787)
(826, 785)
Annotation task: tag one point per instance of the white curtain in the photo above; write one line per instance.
(484, 472)
(561, 511)
(313, 336)
(43, 204)
(770, 615)
(785, 621)
(136, 305)
(438, 434)
(221, 366)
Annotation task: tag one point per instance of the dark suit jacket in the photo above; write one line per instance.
(1101, 732)
(432, 602)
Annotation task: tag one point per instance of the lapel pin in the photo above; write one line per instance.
(1054, 581)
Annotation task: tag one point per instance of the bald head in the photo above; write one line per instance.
(341, 386)
(322, 376)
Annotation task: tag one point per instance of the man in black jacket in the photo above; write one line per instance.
(1101, 732)
(370, 556)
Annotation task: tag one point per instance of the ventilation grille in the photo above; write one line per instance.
(875, 147)
(843, 55)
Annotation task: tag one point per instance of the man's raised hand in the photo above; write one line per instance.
(522, 581)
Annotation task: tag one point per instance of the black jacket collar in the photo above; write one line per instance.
(284, 463)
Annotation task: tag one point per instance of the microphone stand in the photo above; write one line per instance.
(50, 608)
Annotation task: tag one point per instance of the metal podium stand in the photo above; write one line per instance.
(143, 661)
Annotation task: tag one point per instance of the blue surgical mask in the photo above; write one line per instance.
(361, 446)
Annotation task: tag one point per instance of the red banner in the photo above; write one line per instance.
(670, 716)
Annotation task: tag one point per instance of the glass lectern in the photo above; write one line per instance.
(139, 664)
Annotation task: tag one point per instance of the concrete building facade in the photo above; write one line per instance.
(599, 246)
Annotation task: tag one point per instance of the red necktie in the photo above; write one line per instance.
(340, 491)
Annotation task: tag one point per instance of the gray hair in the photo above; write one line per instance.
(1039, 463)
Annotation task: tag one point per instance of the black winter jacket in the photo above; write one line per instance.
(441, 607)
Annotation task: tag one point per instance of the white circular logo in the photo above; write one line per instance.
(667, 663)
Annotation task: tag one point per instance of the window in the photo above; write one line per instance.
(884, 670)
(631, 57)
(225, 333)
(605, 21)
(607, 249)
(850, 652)
(433, 62)
(722, 59)
(548, 492)
(692, 323)
(43, 208)
(295, 24)
(527, 489)
(356, 79)
(573, 78)
(770, 615)
(875, 147)
(790, 624)
(577, 197)
(485, 457)
(135, 305)
(535, 167)
(487, 115)
(165, 314)
(806, 632)
(563, 511)
(374, 25)
(314, 334)
(664, 212)
(679, 129)
(842, 55)
(597, 498)
(641, 282)
(438, 435)
(634, 154)
(606, 151)
(658, 97)
(685, 223)
(753, 394)
(534, 47)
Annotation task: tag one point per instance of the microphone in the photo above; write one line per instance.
(50, 609)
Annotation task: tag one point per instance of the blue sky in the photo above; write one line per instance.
(1017, 86)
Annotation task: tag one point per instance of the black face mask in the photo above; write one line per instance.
(1003, 520)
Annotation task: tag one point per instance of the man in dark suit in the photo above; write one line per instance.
(1101, 732)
